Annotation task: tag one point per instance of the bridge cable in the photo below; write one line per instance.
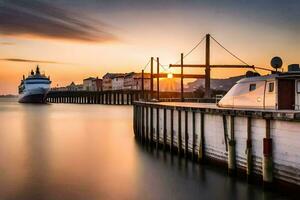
(185, 55)
(146, 65)
(232, 54)
(161, 65)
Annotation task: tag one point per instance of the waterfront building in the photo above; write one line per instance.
(88, 84)
(97, 84)
(107, 80)
(92, 84)
(118, 82)
(133, 81)
(74, 87)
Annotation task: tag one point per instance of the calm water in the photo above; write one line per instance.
(68, 151)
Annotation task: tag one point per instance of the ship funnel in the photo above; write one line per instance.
(37, 71)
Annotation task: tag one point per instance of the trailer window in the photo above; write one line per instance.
(252, 87)
(271, 87)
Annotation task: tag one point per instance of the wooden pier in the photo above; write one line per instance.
(94, 97)
(260, 143)
(117, 97)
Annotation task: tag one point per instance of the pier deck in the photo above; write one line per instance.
(213, 108)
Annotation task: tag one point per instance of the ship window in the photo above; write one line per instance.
(298, 86)
(271, 87)
(252, 87)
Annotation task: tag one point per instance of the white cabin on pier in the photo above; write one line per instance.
(280, 91)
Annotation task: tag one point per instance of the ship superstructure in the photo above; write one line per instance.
(34, 88)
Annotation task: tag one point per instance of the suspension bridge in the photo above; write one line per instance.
(180, 64)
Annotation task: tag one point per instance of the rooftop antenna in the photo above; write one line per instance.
(276, 63)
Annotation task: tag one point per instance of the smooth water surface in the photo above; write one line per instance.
(69, 151)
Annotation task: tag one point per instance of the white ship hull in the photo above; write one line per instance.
(37, 95)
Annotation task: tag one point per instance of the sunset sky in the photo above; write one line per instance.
(75, 39)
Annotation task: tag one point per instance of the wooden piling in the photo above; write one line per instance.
(127, 97)
(231, 149)
(151, 126)
(142, 124)
(157, 128)
(186, 134)
(147, 125)
(267, 164)
(165, 129)
(201, 153)
(194, 134)
(179, 133)
(172, 131)
(131, 98)
(249, 149)
(134, 120)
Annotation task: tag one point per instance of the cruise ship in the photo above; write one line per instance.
(34, 88)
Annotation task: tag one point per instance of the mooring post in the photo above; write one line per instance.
(186, 134)
(165, 128)
(267, 158)
(179, 133)
(157, 128)
(181, 78)
(201, 142)
(231, 149)
(249, 149)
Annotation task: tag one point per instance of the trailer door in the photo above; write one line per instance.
(286, 94)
